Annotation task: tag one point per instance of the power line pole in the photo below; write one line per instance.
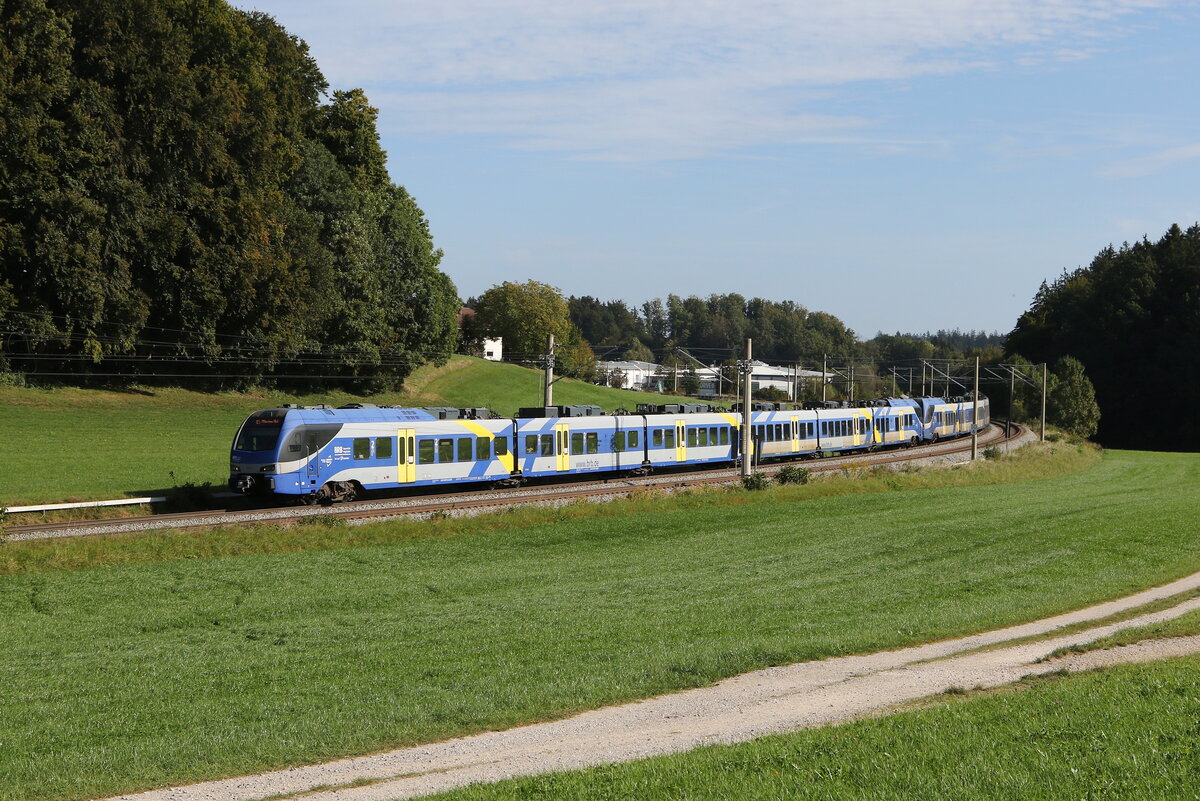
(851, 387)
(1012, 392)
(975, 416)
(548, 366)
(824, 374)
(923, 378)
(747, 370)
(1044, 380)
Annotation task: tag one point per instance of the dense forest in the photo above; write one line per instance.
(715, 328)
(1132, 317)
(180, 195)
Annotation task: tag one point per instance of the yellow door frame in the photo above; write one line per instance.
(562, 438)
(406, 457)
(681, 440)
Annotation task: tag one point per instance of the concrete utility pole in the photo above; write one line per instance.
(747, 372)
(923, 378)
(548, 364)
(851, 387)
(1012, 391)
(1044, 379)
(824, 374)
(975, 416)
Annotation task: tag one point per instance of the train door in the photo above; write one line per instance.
(562, 437)
(406, 457)
(795, 433)
(681, 440)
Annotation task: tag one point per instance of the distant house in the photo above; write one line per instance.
(763, 376)
(490, 349)
(638, 375)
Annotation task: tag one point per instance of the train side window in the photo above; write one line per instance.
(445, 451)
(780, 433)
(547, 444)
(669, 438)
(713, 435)
(464, 449)
(531, 443)
(383, 448)
(633, 439)
(362, 448)
(702, 437)
(483, 449)
(619, 441)
(425, 454)
(658, 438)
(576, 444)
(593, 442)
(501, 446)
(724, 435)
(691, 437)
(295, 442)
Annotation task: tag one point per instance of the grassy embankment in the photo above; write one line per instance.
(1127, 732)
(77, 444)
(156, 659)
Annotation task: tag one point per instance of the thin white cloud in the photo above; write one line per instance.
(1152, 162)
(670, 78)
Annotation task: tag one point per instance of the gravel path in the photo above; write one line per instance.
(741, 708)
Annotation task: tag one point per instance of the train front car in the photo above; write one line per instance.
(254, 456)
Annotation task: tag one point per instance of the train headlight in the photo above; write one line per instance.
(233, 468)
(268, 468)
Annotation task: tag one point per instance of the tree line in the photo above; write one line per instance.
(1132, 320)
(181, 195)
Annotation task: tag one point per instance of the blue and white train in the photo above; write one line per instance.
(321, 454)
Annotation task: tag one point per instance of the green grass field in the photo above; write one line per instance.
(180, 665)
(1127, 733)
(77, 444)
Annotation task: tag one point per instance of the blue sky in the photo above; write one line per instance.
(903, 165)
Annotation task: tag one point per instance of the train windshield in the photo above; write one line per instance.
(260, 432)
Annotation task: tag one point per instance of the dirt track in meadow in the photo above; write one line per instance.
(741, 708)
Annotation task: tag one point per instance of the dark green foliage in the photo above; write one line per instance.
(755, 481)
(781, 329)
(1132, 317)
(524, 314)
(1071, 401)
(175, 200)
(793, 474)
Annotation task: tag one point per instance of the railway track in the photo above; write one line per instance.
(463, 503)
